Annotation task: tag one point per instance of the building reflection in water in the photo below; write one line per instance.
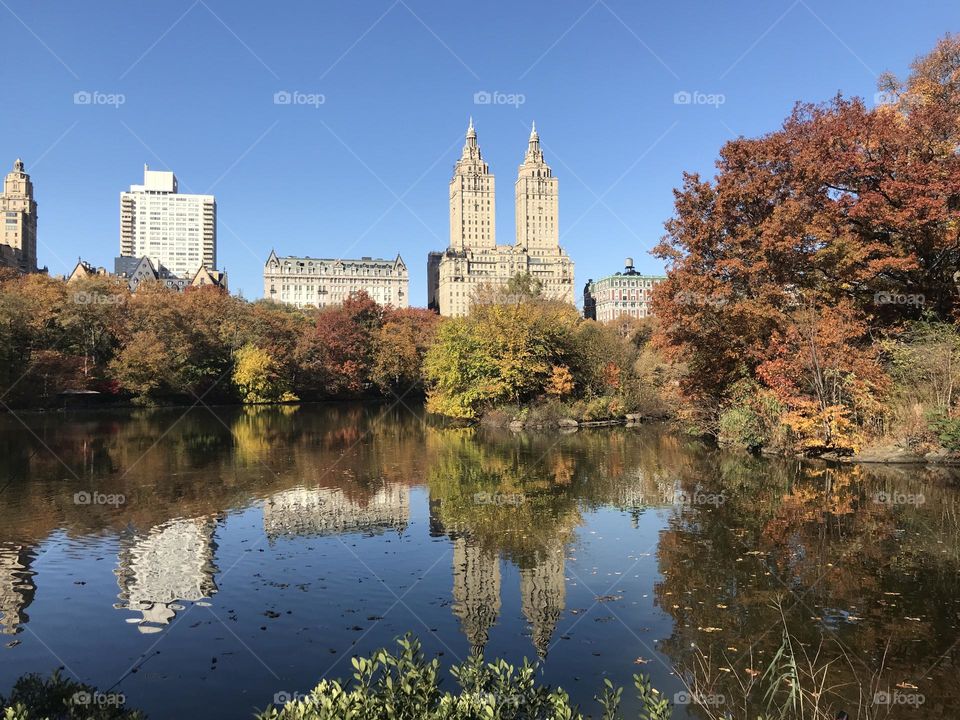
(170, 564)
(330, 511)
(543, 593)
(17, 588)
(476, 590)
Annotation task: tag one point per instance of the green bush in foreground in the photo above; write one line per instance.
(36, 698)
(405, 686)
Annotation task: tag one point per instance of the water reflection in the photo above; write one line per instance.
(302, 512)
(16, 587)
(851, 553)
(167, 565)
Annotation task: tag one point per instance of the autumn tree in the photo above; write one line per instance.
(256, 378)
(843, 207)
(400, 347)
(336, 355)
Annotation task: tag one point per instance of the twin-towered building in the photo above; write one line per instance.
(474, 258)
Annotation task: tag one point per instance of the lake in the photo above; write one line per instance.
(204, 562)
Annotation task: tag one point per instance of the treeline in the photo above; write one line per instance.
(521, 357)
(812, 295)
(158, 346)
(517, 353)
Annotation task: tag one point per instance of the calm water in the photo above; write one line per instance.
(202, 562)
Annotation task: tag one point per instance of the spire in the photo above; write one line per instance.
(534, 153)
(471, 150)
(471, 136)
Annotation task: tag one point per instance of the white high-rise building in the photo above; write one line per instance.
(176, 230)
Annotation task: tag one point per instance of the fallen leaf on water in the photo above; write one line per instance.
(608, 598)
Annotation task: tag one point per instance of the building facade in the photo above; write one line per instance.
(625, 293)
(135, 271)
(18, 246)
(473, 258)
(319, 282)
(175, 230)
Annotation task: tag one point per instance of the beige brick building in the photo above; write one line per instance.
(624, 293)
(319, 282)
(474, 258)
(18, 245)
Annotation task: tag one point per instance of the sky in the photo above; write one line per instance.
(626, 96)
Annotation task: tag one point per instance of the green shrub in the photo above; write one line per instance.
(36, 698)
(741, 426)
(597, 409)
(406, 685)
(947, 430)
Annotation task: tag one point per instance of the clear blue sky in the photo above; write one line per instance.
(366, 172)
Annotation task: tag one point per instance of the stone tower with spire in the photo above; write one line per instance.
(472, 199)
(537, 202)
(19, 211)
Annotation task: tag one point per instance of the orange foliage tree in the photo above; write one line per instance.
(844, 221)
